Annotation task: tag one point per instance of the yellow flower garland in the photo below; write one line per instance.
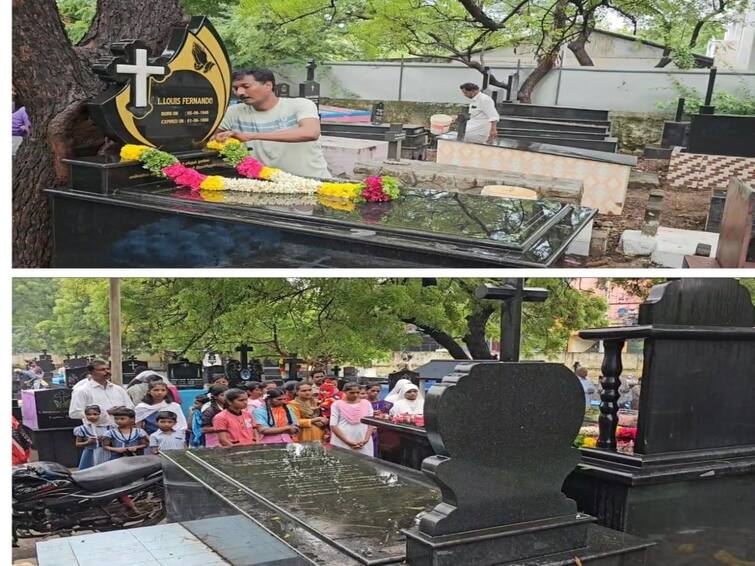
(212, 183)
(133, 152)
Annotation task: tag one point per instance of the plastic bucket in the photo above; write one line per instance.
(440, 123)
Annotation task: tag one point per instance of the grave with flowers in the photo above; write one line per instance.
(169, 196)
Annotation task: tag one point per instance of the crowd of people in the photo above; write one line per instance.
(147, 416)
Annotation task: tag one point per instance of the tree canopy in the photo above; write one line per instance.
(347, 320)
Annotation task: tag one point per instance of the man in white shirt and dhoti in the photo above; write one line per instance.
(483, 117)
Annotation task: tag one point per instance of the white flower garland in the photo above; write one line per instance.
(280, 183)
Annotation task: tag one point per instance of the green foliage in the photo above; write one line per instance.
(77, 16)
(348, 320)
(739, 102)
(155, 161)
(234, 153)
(33, 302)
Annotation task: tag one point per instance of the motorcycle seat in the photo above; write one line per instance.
(116, 473)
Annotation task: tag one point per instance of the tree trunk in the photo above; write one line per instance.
(442, 338)
(665, 58)
(544, 65)
(578, 48)
(475, 338)
(54, 80)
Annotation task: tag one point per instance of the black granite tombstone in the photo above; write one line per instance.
(131, 367)
(44, 361)
(310, 88)
(404, 373)
(718, 134)
(377, 116)
(186, 375)
(283, 90)
(690, 480)
(173, 102)
(76, 369)
(45, 412)
(502, 500)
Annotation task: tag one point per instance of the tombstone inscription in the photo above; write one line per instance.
(186, 375)
(174, 101)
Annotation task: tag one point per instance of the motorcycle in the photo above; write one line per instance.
(48, 498)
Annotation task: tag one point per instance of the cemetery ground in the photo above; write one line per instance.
(682, 208)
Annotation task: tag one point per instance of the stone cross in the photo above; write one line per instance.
(512, 295)
(141, 70)
(244, 350)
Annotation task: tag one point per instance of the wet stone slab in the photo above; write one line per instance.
(353, 504)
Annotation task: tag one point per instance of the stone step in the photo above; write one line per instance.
(645, 180)
(552, 134)
(608, 144)
(552, 112)
(561, 126)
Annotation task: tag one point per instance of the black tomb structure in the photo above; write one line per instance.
(690, 481)
(115, 213)
(476, 503)
(186, 375)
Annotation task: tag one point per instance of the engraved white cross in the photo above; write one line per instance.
(142, 71)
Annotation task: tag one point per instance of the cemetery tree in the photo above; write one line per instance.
(53, 79)
(682, 27)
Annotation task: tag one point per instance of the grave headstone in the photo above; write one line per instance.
(310, 88)
(736, 240)
(132, 367)
(45, 412)
(404, 373)
(283, 90)
(76, 369)
(186, 375)
(45, 362)
(174, 101)
(692, 467)
(378, 113)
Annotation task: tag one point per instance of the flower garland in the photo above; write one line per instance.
(258, 178)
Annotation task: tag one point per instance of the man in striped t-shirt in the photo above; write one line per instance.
(166, 437)
(281, 132)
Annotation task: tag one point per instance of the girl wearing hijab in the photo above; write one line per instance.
(411, 404)
(346, 422)
(274, 421)
(158, 398)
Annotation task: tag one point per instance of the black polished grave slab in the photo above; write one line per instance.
(155, 225)
(331, 505)
(690, 480)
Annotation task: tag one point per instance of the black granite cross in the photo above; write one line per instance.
(131, 364)
(512, 295)
(244, 350)
(292, 363)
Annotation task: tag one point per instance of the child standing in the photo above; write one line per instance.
(195, 421)
(234, 425)
(158, 398)
(89, 436)
(166, 437)
(275, 422)
(215, 406)
(125, 439)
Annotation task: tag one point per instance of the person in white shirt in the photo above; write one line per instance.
(97, 390)
(281, 132)
(166, 437)
(483, 117)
